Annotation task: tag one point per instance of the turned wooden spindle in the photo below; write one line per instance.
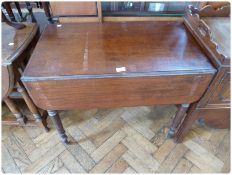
(21, 119)
(41, 122)
(54, 116)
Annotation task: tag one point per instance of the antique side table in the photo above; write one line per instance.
(211, 28)
(17, 45)
(95, 65)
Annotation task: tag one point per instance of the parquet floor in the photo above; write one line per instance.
(119, 140)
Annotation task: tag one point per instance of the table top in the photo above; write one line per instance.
(220, 30)
(116, 49)
(14, 41)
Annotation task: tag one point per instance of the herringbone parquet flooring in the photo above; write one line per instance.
(119, 140)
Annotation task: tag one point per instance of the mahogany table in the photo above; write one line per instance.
(96, 65)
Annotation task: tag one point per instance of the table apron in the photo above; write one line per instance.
(117, 92)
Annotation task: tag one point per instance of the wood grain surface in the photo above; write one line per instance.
(73, 8)
(220, 30)
(96, 49)
(116, 64)
(15, 41)
(117, 92)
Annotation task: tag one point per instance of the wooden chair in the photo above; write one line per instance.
(10, 23)
(19, 40)
(73, 11)
(8, 7)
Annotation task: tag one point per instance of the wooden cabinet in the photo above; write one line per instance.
(215, 40)
(211, 28)
(217, 111)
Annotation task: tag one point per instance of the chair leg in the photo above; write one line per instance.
(41, 121)
(177, 120)
(21, 119)
(54, 116)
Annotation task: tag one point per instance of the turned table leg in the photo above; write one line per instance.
(188, 121)
(180, 114)
(41, 121)
(58, 124)
(13, 108)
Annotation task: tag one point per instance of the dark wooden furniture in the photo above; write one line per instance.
(211, 28)
(148, 8)
(16, 48)
(12, 24)
(8, 7)
(89, 65)
(73, 11)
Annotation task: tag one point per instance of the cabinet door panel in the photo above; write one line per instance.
(222, 93)
(216, 118)
(73, 8)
